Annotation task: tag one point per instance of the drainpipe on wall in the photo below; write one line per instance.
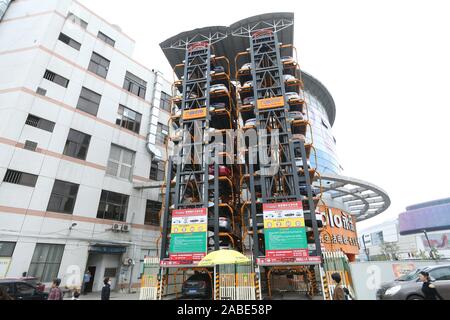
(4, 4)
(155, 153)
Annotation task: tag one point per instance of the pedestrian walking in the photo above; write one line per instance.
(55, 291)
(86, 280)
(428, 288)
(338, 293)
(4, 295)
(106, 290)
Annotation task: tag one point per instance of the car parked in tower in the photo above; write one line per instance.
(247, 85)
(197, 286)
(292, 96)
(245, 68)
(287, 60)
(248, 101)
(216, 88)
(250, 122)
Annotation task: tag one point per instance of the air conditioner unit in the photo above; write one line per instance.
(125, 228)
(116, 227)
(128, 262)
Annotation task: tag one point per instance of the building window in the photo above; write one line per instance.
(106, 39)
(53, 77)
(113, 206)
(41, 91)
(63, 197)
(120, 163)
(7, 249)
(40, 123)
(152, 213)
(129, 119)
(89, 101)
(22, 178)
(99, 65)
(46, 261)
(30, 145)
(162, 134)
(157, 171)
(165, 101)
(110, 273)
(77, 20)
(69, 41)
(135, 85)
(77, 144)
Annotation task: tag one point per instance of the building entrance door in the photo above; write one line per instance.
(90, 284)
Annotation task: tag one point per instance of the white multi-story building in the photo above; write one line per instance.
(82, 125)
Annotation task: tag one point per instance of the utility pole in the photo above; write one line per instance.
(365, 248)
(429, 244)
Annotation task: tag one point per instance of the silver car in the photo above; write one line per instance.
(409, 287)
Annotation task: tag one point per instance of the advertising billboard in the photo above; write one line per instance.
(285, 233)
(433, 218)
(189, 232)
(339, 232)
(439, 241)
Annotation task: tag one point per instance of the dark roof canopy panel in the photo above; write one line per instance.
(229, 41)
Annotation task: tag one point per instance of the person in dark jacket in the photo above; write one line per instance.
(428, 288)
(338, 293)
(106, 290)
(55, 291)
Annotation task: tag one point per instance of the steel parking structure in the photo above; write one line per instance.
(264, 95)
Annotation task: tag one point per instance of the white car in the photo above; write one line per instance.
(288, 77)
(287, 59)
(299, 162)
(250, 122)
(296, 115)
(246, 67)
(299, 136)
(292, 96)
(177, 136)
(248, 84)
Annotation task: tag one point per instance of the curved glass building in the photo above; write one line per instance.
(322, 113)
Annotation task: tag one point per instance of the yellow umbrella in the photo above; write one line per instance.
(223, 257)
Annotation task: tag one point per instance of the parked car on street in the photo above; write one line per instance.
(20, 289)
(409, 287)
(197, 286)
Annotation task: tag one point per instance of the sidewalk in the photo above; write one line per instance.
(113, 296)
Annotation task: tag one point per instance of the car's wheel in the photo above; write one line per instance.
(414, 297)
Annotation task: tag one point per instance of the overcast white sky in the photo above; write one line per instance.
(386, 63)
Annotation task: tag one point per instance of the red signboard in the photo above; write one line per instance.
(307, 259)
(274, 254)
